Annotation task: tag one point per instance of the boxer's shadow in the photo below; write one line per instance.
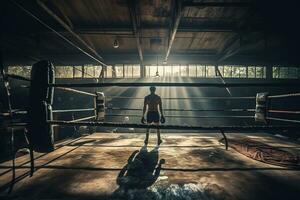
(141, 170)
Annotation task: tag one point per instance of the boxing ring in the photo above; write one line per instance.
(39, 128)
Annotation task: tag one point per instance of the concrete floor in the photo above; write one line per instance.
(186, 166)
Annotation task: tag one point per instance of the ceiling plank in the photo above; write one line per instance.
(216, 4)
(135, 19)
(69, 29)
(230, 48)
(174, 28)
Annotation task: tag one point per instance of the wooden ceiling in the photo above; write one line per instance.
(147, 30)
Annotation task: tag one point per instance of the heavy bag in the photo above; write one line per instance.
(99, 104)
(261, 108)
(40, 133)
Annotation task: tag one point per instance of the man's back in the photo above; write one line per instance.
(152, 100)
(155, 112)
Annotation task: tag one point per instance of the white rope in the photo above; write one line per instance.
(285, 95)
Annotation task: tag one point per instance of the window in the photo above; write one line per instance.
(227, 71)
(168, 70)
(136, 71)
(147, 71)
(109, 71)
(89, 71)
(183, 70)
(251, 72)
(293, 72)
(200, 71)
(128, 71)
(259, 72)
(20, 70)
(64, 72)
(286, 72)
(221, 70)
(98, 70)
(210, 71)
(243, 72)
(150, 70)
(237, 72)
(192, 70)
(160, 70)
(119, 71)
(175, 70)
(131, 71)
(256, 72)
(77, 71)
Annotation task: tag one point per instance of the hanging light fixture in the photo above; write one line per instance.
(116, 43)
(157, 73)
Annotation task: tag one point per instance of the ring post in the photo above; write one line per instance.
(225, 139)
(31, 161)
(99, 104)
(40, 133)
(262, 107)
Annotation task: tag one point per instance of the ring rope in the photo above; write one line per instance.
(178, 127)
(74, 110)
(138, 109)
(186, 110)
(164, 84)
(79, 120)
(180, 98)
(285, 111)
(18, 77)
(181, 116)
(283, 120)
(16, 124)
(284, 95)
(16, 112)
(57, 33)
(76, 91)
(83, 119)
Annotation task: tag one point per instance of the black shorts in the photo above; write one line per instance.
(152, 116)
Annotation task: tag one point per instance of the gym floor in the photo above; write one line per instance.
(185, 166)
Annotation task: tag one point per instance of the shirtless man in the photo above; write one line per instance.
(153, 101)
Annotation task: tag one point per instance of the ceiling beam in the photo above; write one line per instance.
(174, 28)
(115, 30)
(136, 23)
(237, 46)
(216, 4)
(230, 48)
(19, 58)
(69, 29)
(63, 14)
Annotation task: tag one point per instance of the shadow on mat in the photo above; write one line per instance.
(141, 171)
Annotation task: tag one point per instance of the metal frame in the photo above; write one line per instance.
(175, 23)
(136, 23)
(69, 29)
(165, 84)
(172, 127)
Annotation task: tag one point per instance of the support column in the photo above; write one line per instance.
(143, 71)
(269, 71)
(82, 71)
(113, 73)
